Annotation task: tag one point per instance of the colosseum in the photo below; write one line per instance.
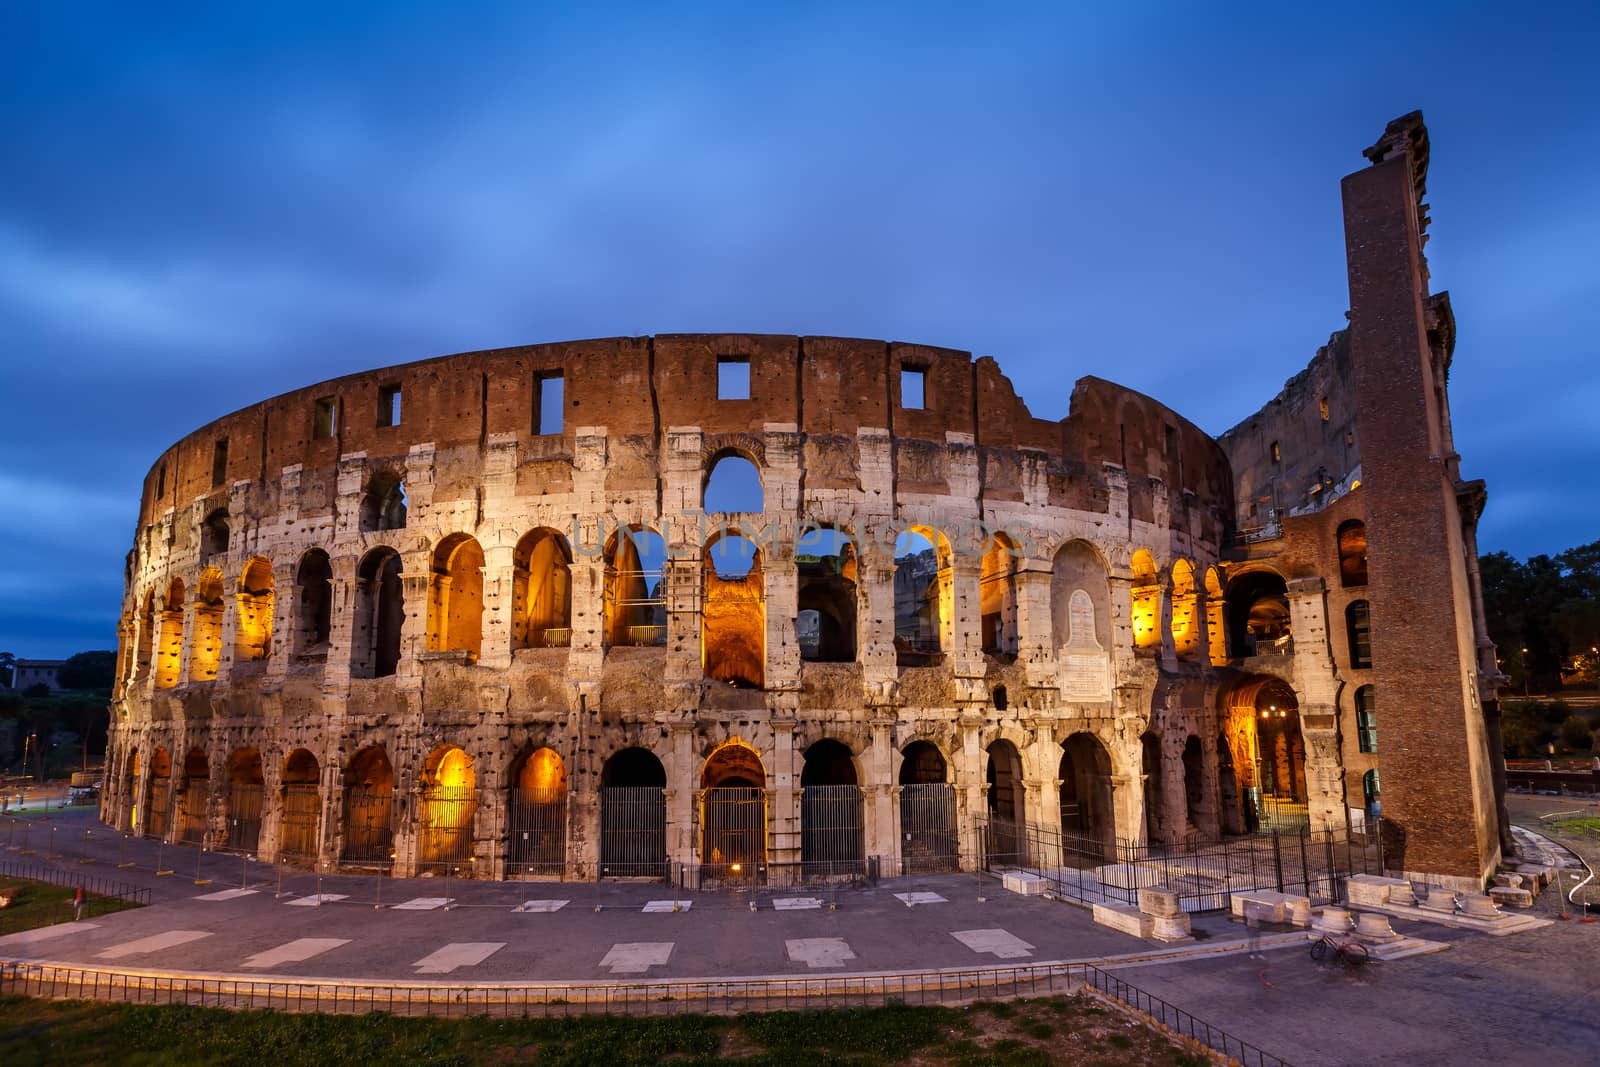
(730, 607)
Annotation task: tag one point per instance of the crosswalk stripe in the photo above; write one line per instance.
(637, 957)
(44, 933)
(153, 943)
(911, 899)
(656, 906)
(541, 905)
(457, 954)
(817, 952)
(421, 904)
(296, 951)
(226, 894)
(996, 942)
(316, 899)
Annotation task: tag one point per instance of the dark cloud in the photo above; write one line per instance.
(202, 208)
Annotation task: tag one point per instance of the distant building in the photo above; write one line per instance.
(27, 673)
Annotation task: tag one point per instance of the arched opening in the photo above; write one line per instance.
(383, 505)
(156, 811)
(1088, 823)
(928, 840)
(214, 535)
(301, 815)
(825, 625)
(1007, 837)
(541, 591)
(832, 829)
(1216, 627)
(997, 597)
(369, 809)
(1146, 601)
(169, 647)
(1358, 632)
(194, 794)
(733, 814)
(135, 802)
(313, 582)
(733, 485)
(205, 655)
(1155, 829)
(379, 614)
(1262, 719)
(733, 621)
(1352, 553)
(1080, 617)
(1371, 797)
(253, 607)
(246, 781)
(923, 596)
(143, 650)
(536, 816)
(1185, 611)
(1366, 720)
(1194, 785)
(449, 806)
(635, 589)
(455, 597)
(1231, 812)
(633, 816)
(1258, 615)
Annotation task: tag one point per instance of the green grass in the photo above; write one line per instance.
(1589, 825)
(1034, 1033)
(35, 904)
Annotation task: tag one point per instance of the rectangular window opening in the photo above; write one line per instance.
(733, 378)
(549, 402)
(325, 418)
(219, 462)
(389, 405)
(161, 482)
(913, 388)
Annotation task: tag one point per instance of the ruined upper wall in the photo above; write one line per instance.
(829, 388)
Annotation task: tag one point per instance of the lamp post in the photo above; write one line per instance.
(1524, 674)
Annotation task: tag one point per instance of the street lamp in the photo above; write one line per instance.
(1524, 674)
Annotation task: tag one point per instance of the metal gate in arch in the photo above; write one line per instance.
(733, 842)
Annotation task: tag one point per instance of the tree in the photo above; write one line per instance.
(1575, 733)
(8, 663)
(89, 670)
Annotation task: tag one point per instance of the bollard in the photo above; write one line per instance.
(244, 870)
(161, 853)
(83, 849)
(197, 879)
(122, 854)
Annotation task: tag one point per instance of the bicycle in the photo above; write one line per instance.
(1350, 953)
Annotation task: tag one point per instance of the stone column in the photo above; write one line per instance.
(880, 796)
(783, 805)
(1036, 639)
(683, 791)
(1316, 687)
(499, 603)
(285, 619)
(970, 787)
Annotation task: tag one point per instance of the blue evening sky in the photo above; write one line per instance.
(205, 205)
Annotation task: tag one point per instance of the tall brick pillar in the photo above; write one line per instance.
(1435, 766)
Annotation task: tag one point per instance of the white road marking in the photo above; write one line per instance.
(817, 952)
(541, 905)
(295, 951)
(457, 954)
(637, 957)
(153, 943)
(911, 899)
(997, 942)
(421, 904)
(43, 933)
(796, 903)
(226, 894)
(315, 899)
(667, 905)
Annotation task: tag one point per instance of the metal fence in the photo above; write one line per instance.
(1205, 874)
(444, 830)
(928, 838)
(368, 827)
(633, 832)
(707, 996)
(733, 824)
(536, 837)
(832, 831)
(98, 891)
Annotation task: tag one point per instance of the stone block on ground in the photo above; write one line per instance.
(1124, 917)
(1374, 926)
(1439, 899)
(1366, 890)
(1300, 911)
(1160, 901)
(1513, 896)
(1170, 927)
(1025, 883)
(1479, 906)
(1331, 920)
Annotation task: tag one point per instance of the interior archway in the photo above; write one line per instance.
(633, 816)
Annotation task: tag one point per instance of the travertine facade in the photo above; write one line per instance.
(468, 613)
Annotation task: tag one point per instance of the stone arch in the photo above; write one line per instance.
(832, 823)
(448, 809)
(379, 615)
(1080, 614)
(1230, 811)
(633, 815)
(194, 794)
(300, 806)
(205, 652)
(134, 786)
(455, 596)
(924, 596)
(157, 821)
(733, 622)
(732, 478)
(253, 610)
(214, 535)
(1216, 625)
(1186, 622)
(1352, 543)
(313, 602)
(1258, 614)
(827, 571)
(1146, 601)
(1088, 818)
(635, 587)
(1006, 803)
(246, 787)
(1261, 716)
(145, 648)
(997, 597)
(536, 813)
(1194, 789)
(928, 837)
(1154, 786)
(169, 646)
(541, 591)
(369, 809)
